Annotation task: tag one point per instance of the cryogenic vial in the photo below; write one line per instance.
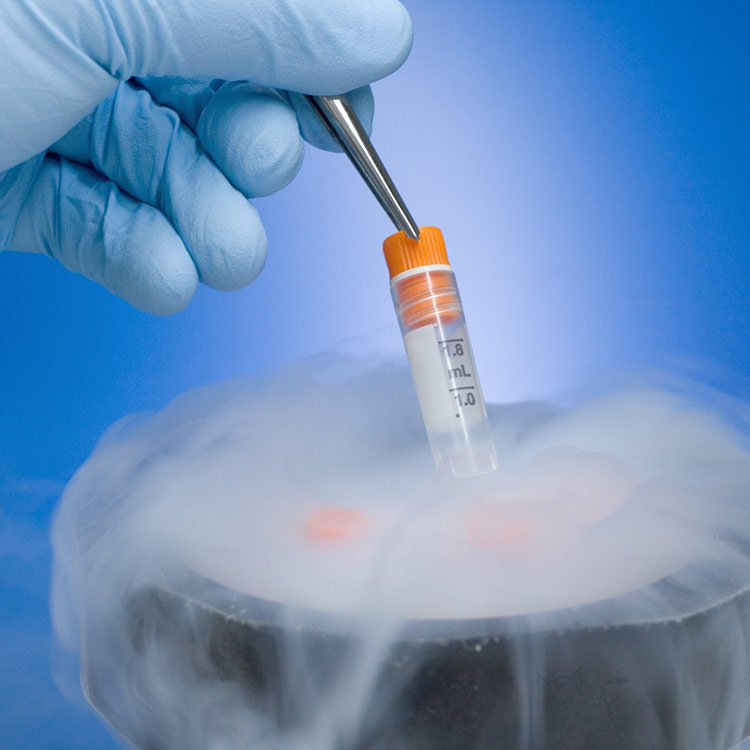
(440, 357)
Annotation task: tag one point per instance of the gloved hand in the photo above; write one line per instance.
(132, 131)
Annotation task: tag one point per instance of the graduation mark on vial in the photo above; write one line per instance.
(457, 348)
(465, 399)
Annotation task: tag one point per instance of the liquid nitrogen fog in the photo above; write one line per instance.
(298, 519)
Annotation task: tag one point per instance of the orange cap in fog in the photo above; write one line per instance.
(403, 254)
(335, 524)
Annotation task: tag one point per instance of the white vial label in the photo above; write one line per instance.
(430, 377)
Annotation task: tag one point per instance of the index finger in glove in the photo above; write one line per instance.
(76, 58)
(244, 128)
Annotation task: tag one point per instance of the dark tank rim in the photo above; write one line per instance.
(672, 598)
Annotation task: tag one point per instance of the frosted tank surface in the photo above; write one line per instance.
(317, 490)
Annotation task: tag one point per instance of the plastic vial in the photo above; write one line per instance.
(439, 351)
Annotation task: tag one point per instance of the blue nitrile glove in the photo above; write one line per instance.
(131, 136)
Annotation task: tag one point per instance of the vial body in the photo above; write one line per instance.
(442, 364)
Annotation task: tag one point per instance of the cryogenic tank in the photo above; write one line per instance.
(326, 593)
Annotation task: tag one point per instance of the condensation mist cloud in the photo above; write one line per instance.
(315, 491)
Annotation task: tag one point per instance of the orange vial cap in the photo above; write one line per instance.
(421, 298)
(403, 254)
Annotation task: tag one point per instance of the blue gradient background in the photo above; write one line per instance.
(588, 163)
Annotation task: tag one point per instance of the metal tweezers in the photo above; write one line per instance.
(343, 124)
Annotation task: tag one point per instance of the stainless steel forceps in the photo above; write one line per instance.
(343, 124)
